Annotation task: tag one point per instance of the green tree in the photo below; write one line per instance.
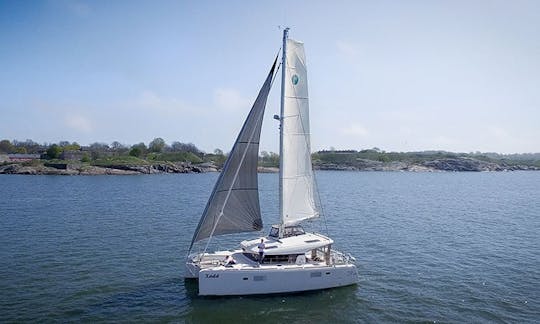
(97, 150)
(119, 148)
(99, 146)
(6, 146)
(183, 147)
(157, 145)
(138, 150)
(383, 157)
(269, 159)
(71, 147)
(135, 151)
(31, 146)
(53, 152)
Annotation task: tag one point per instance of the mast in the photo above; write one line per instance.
(281, 116)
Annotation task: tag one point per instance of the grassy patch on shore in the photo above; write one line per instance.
(175, 157)
(119, 160)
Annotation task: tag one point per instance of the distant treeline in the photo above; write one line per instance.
(158, 150)
(351, 157)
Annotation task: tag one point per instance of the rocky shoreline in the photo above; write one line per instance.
(438, 165)
(85, 169)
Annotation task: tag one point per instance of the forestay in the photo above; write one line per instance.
(297, 173)
(233, 206)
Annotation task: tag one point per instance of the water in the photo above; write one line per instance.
(430, 247)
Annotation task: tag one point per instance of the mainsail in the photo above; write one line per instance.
(233, 206)
(298, 202)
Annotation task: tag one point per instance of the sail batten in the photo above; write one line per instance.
(233, 206)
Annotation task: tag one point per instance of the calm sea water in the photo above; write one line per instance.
(430, 247)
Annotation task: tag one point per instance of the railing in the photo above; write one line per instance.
(341, 258)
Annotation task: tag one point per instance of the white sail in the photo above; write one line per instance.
(298, 198)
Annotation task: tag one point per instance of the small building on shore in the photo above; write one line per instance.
(19, 157)
(73, 155)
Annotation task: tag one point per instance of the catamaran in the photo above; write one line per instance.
(288, 259)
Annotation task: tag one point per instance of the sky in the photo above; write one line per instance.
(461, 76)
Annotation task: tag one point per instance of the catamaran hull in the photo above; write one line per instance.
(192, 271)
(228, 282)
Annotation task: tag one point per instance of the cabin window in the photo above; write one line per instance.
(259, 278)
(274, 232)
(293, 231)
(280, 258)
(318, 254)
(316, 274)
(287, 231)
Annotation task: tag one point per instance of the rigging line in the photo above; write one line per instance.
(295, 97)
(277, 69)
(237, 189)
(298, 175)
(322, 213)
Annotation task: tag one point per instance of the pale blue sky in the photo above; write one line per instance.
(399, 75)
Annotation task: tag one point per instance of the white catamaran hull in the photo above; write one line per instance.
(222, 281)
